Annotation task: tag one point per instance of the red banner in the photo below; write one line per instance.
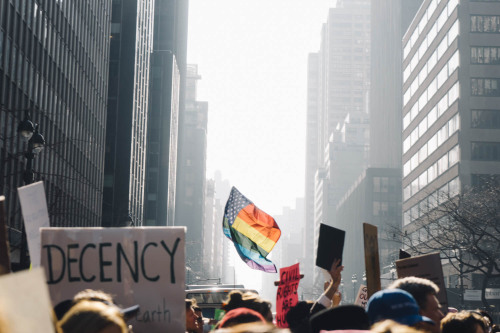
(286, 296)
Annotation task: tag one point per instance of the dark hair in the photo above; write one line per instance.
(298, 316)
(463, 322)
(237, 299)
(419, 288)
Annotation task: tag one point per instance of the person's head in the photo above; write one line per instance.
(93, 295)
(298, 316)
(92, 316)
(344, 317)
(463, 322)
(191, 317)
(394, 304)
(240, 316)
(425, 293)
(237, 299)
(390, 326)
(252, 328)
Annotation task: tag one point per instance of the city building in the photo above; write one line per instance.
(54, 58)
(167, 91)
(337, 117)
(451, 132)
(131, 41)
(191, 191)
(375, 198)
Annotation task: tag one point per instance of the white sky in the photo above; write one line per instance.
(252, 57)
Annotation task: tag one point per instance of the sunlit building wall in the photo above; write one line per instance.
(190, 201)
(167, 87)
(451, 77)
(54, 64)
(128, 98)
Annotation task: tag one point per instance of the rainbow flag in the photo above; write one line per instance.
(253, 232)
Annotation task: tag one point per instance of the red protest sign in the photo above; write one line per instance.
(286, 297)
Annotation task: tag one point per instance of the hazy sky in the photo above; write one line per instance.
(252, 57)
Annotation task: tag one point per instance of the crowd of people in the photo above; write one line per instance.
(408, 305)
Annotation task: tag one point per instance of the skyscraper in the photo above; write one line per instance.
(190, 205)
(54, 58)
(338, 85)
(128, 98)
(167, 88)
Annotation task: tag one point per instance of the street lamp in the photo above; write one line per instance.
(36, 143)
(26, 127)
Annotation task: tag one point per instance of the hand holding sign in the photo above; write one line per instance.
(335, 273)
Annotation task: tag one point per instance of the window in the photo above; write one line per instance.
(484, 55)
(486, 119)
(485, 151)
(485, 23)
(485, 87)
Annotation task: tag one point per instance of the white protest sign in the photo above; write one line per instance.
(25, 304)
(362, 297)
(472, 295)
(35, 215)
(143, 265)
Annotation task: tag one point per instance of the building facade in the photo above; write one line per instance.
(167, 85)
(190, 205)
(128, 98)
(54, 58)
(337, 118)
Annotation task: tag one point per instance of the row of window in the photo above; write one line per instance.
(430, 146)
(431, 35)
(430, 202)
(432, 88)
(485, 55)
(485, 23)
(485, 87)
(420, 27)
(449, 159)
(434, 114)
(445, 72)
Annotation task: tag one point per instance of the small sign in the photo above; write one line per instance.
(35, 215)
(330, 246)
(362, 297)
(492, 293)
(372, 265)
(472, 295)
(427, 266)
(142, 265)
(286, 296)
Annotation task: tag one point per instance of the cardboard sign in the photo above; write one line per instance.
(427, 266)
(372, 265)
(25, 304)
(362, 297)
(330, 246)
(143, 265)
(4, 242)
(35, 215)
(286, 296)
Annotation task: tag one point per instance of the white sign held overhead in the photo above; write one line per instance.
(362, 297)
(35, 215)
(25, 304)
(142, 265)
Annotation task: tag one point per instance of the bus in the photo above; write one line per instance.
(211, 298)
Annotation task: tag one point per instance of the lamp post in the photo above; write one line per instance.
(354, 281)
(36, 143)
